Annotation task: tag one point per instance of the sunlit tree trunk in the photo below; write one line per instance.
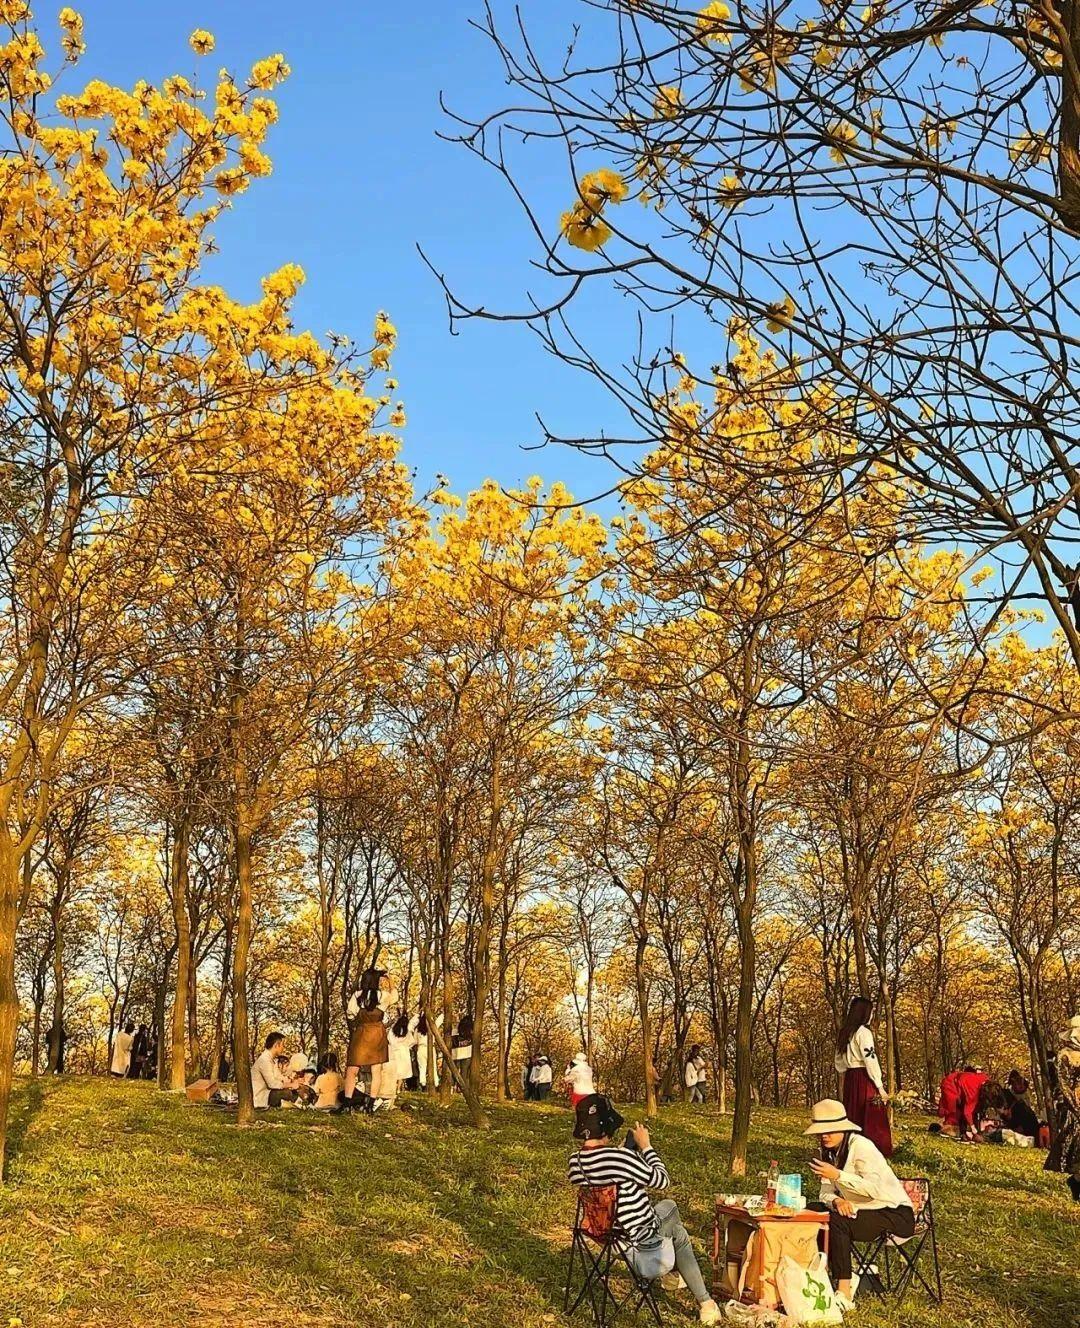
(178, 874)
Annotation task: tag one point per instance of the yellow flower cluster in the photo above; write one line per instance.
(72, 26)
(710, 23)
(842, 136)
(583, 226)
(668, 102)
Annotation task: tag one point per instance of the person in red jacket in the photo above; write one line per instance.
(948, 1107)
(971, 1080)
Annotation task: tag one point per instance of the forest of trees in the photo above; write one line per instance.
(772, 726)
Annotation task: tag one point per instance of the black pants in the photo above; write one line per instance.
(277, 1096)
(865, 1226)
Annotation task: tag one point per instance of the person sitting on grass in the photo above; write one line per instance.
(1018, 1114)
(654, 1238)
(269, 1087)
(859, 1190)
(329, 1085)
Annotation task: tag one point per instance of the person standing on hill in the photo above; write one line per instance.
(139, 1049)
(369, 1045)
(865, 1098)
(121, 1056)
(540, 1078)
(578, 1079)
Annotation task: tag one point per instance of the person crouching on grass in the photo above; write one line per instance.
(655, 1239)
(859, 1190)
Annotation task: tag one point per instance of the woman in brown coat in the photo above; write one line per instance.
(369, 1046)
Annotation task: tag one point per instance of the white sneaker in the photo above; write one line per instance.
(710, 1312)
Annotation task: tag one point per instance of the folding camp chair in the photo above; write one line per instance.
(901, 1256)
(600, 1249)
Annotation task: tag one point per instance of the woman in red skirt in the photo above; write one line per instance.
(865, 1098)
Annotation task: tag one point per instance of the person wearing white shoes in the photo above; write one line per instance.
(859, 1190)
(654, 1238)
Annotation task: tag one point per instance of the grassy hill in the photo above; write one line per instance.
(125, 1206)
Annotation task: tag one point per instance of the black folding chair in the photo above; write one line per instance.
(902, 1257)
(599, 1248)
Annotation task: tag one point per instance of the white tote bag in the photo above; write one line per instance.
(807, 1292)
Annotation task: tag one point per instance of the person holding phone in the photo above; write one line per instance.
(652, 1237)
(859, 1190)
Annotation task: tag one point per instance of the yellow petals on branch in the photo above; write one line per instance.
(936, 130)
(270, 72)
(201, 41)
(385, 331)
(603, 186)
(1030, 149)
(584, 228)
(731, 193)
(780, 314)
(70, 21)
(668, 102)
(710, 23)
(759, 73)
(285, 282)
(842, 136)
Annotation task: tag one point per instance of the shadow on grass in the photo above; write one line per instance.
(26, 1102)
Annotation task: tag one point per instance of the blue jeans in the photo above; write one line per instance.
(671, 1228)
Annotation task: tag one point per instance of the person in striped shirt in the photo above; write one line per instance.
(653, 1237)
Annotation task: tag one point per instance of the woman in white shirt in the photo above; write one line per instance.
(865, 1098)
(402, 1039)
(121, 1056)
(859, 1190)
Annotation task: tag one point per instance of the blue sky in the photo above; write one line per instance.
(360, 179)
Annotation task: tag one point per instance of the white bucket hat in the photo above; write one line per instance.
(298, 1063)
(829, 1117)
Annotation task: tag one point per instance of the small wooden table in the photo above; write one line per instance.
(726, 1214)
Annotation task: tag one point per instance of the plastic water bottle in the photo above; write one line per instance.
(772, 1184)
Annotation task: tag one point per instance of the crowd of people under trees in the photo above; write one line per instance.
(390, 1052)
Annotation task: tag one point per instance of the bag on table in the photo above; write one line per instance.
(807, 1292)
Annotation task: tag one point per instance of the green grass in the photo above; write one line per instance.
(126, 1207)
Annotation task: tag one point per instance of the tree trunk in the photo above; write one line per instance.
(218, 1056)
(194, 1044)
(322, 975)
(58, 994)
(181, 923)
(9, 995)
(245, 1113)
(482, 951)
(744, 1023)
(502, 1073)
(472, 1101)
(640, 948)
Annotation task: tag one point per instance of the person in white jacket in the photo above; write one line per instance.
(418, 1027)
(859, 1190)
(402, 1039)
(578, 1079)
(540, 1078)
(121, 1056)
